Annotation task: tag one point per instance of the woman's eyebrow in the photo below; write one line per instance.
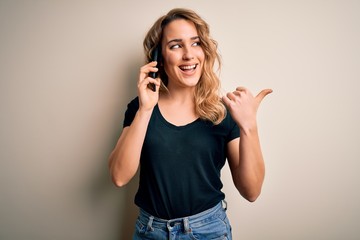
(177, 40)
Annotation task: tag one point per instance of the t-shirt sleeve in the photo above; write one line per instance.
(234, 128)
(130, 112)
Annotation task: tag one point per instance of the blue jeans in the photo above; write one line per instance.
(210, 224)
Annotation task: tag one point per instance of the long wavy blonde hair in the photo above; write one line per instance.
(208, 103)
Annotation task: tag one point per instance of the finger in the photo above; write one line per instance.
(153, 84)
(237, 93)
(156, 81)
(151, 64)
(262, 94)
(148, 80)
(241, 89)
(143, 82)
(231, 96)
(226, 101)
(148, 66)
(145, 70)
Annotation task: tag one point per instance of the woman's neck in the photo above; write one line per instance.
(178, 107)
(179, 96)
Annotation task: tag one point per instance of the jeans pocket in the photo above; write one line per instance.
(223, 217)
(143, 231)
(140, 228)
(215, 228)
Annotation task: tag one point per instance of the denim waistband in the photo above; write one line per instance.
(184, 221)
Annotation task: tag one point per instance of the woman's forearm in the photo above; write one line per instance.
(251, 169)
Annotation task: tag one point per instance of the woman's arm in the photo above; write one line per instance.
(244, 153)
(125, 158)
(246, 165)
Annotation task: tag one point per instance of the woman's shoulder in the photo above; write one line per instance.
(134, 103)
(228, 120)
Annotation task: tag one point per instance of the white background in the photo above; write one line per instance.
(68, 69)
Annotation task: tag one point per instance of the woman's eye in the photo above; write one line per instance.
(175, 46)
(196, 44)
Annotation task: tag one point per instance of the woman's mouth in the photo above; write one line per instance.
(188, 67)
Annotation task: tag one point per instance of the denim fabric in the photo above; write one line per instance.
(210, 224)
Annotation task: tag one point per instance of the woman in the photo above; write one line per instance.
(182, 133)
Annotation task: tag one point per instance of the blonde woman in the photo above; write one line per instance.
(181, 132)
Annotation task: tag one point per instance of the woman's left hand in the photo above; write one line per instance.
(243, 106)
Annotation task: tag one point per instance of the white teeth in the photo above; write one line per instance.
(188, 67)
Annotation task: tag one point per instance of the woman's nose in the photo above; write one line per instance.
(188, 55)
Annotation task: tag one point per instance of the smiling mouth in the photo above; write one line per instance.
(188, 67)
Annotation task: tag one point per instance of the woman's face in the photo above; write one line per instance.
(182, 54)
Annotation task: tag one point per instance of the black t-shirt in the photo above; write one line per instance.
(180, 165)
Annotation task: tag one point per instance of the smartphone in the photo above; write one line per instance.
(155, 56)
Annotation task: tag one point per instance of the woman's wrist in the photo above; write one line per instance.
(249, 128)
(145, 112)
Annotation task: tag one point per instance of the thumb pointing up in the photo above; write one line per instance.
(261, 95)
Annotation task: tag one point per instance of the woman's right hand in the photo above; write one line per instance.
(147, 97)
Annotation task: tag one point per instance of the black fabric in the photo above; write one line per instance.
(180, 165)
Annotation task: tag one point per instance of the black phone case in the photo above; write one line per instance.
(155, 56)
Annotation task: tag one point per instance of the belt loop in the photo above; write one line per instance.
(224, 204)
(186, 225)
(149, 225)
